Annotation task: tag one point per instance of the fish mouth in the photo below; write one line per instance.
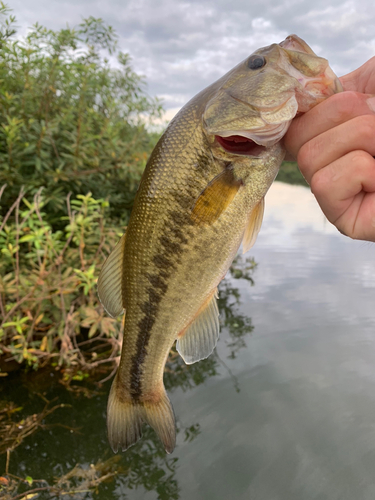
(252, 142)
(239, 145)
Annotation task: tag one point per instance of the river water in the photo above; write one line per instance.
(285, 408)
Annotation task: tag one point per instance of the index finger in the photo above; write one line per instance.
(328, 114)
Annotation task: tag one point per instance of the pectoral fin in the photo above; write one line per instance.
(200, 338)
(110, 281)
(215, 199)
(253, 226)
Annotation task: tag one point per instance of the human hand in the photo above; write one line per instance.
(334, 144)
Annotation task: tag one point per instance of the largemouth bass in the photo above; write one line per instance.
(201, 195)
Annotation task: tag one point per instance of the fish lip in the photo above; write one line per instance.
(266, 136)
(294, 42)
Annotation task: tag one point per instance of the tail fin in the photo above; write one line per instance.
(125, 417)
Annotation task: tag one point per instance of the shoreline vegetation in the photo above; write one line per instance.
(73, 145)
(74, 141)
(73, 135)
(290, 174)
(49, 309)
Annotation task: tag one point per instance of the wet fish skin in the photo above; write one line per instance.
(201, 194)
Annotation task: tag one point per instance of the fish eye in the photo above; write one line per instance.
(256, 62)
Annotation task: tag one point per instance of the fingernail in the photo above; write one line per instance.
(371, 103)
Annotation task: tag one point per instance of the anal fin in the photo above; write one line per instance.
(200, 338)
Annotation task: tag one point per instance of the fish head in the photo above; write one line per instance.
(253, 105)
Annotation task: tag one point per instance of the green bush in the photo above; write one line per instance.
(73, 145)
(290, 173)
(69, 121)
(48, 284)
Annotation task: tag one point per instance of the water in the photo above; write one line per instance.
(286, 408)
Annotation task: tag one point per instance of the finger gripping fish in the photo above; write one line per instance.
(201, 195)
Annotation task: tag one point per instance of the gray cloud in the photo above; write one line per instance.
(183, 46)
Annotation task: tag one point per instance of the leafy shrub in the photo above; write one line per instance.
(290, 173)
(69, 121)
(48, 283)
(73, 145)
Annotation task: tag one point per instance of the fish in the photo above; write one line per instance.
(201, 196)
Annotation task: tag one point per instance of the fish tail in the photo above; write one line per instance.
(126, 415)
(160, 416)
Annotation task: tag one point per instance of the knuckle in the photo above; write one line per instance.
(344, 105)
(365, 127)
(361, 161)
(358, 158)
(305, 155)
(318, 184)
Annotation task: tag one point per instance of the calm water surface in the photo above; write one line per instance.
(286, 407)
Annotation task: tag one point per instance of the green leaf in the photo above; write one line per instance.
(27, 237)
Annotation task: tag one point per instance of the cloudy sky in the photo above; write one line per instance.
(183, 46)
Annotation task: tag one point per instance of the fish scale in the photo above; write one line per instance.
(197, 201)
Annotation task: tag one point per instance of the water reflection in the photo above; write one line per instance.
(76, 434)
(237, 324)
(285, 409)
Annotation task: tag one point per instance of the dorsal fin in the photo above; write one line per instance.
(110, 281)
(253, 226)
(200, 338)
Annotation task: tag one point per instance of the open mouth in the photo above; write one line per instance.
(240, 145)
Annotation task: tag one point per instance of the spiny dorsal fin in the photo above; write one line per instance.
(253, 226)
(110, 281)
(200, 338)
(216, 197)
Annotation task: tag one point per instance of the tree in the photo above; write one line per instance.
(69, 120)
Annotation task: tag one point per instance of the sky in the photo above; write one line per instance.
(182, 46)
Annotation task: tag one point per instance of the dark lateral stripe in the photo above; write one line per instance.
(172, 238)
(150, 309)
(144, 333)
(162, 262)
(158, 282)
